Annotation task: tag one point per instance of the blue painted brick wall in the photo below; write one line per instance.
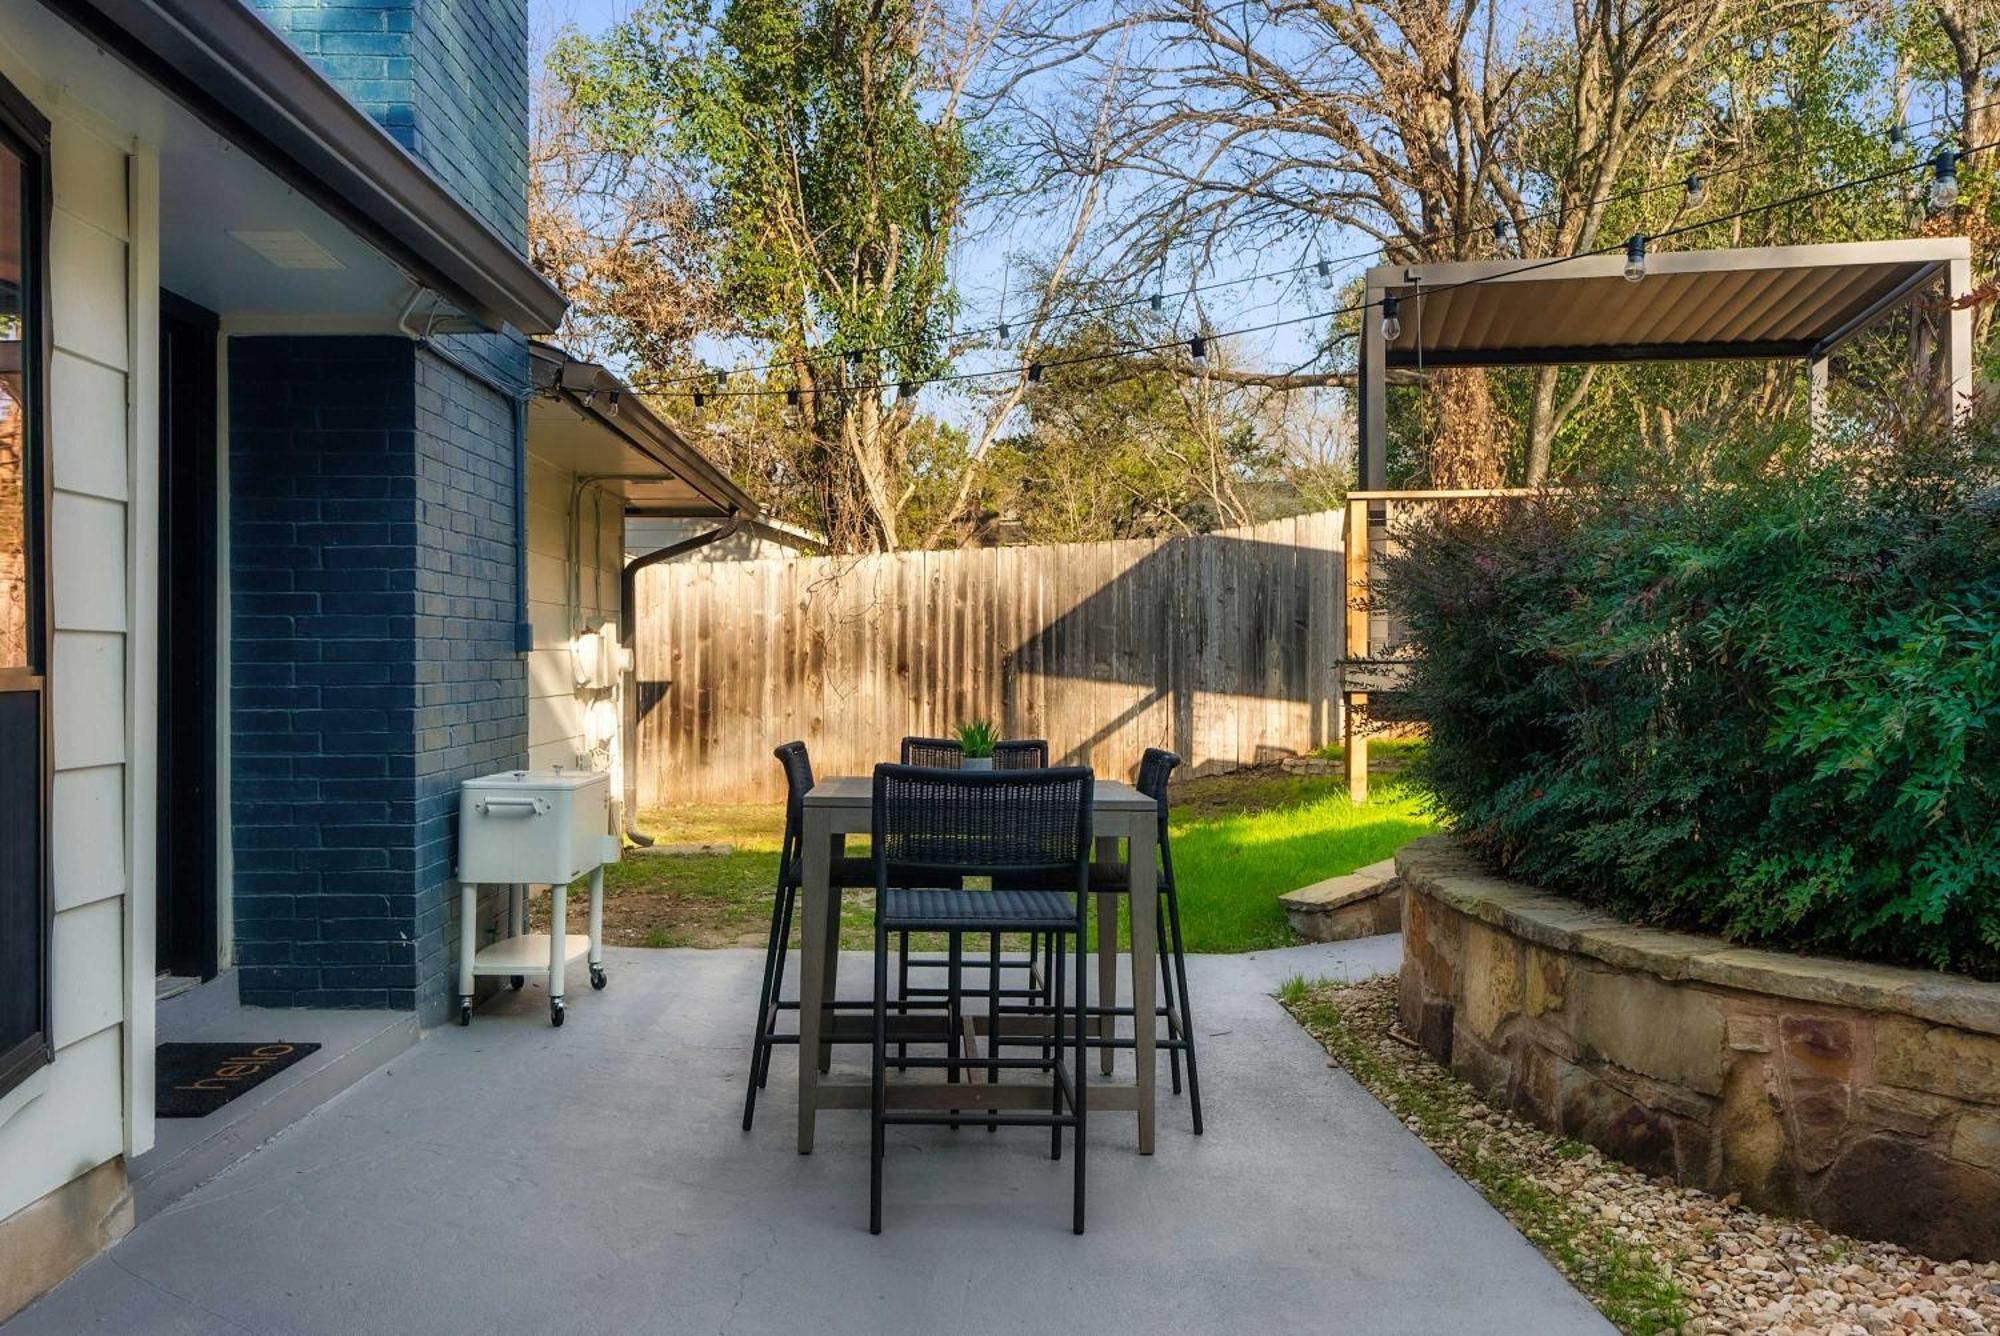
(323, 702)
(447, 78)
(471, 687)
(372, 660)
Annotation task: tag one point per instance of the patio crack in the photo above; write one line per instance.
(764, 1257)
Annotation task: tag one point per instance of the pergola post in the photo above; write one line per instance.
(1372, 463)
(1955, 359)
(1816, 387)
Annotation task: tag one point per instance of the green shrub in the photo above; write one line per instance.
(1764, 706)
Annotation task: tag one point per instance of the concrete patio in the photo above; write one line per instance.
(515, 1178)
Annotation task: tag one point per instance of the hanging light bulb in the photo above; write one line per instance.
(1499, 231)
(698, 400)
(854, 359)
(905, 389)
(1944, 182)
(1635, 257)
(1897, 135)
(1392, 319)
(1325, 268)
(1157, 302)
(792, 397)
(1001, 330)
(1697, 190)
(1198, 349)
(1034, 373)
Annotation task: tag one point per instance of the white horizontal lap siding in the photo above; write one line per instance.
(555, 705)
(78, 1118)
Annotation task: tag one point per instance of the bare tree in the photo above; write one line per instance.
(1415, 123)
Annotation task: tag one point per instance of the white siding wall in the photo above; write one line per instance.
(82, 1111)
(556, 705)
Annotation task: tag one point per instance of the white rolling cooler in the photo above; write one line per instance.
(533, 827)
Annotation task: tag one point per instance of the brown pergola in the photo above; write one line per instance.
(1800, 302)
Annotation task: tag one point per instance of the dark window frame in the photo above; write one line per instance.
(24, 131)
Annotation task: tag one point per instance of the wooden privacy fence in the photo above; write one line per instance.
(1224, 647)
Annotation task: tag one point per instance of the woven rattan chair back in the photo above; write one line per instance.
(798, 782)
(938, 753)
(931, 825)
(1021, 754)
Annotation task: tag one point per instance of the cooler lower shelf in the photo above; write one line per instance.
(528, 954)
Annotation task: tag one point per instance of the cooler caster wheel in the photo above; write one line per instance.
(597, 976)
(465, 1011)
(556, 1012)
(514, 981)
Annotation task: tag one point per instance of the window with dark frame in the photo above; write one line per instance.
(24, 619)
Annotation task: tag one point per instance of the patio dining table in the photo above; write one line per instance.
(838, 807)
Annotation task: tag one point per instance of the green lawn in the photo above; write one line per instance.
(1239, 842)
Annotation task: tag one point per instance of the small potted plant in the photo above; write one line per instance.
(975, 740)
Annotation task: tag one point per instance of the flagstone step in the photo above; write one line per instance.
(1362, 903)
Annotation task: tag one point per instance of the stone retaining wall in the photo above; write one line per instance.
(1863, 1096)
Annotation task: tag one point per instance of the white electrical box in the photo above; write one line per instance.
(542, 827)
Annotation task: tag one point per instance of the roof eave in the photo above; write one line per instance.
(228, 66)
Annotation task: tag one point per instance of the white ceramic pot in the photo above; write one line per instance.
(975, 763)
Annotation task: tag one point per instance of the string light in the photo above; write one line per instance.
(1697, 190)
(1001, 330)
(1635, 249)
(1034, 373)
(791, 396)
(1635, 257)
(1392, 319)
(1944, 182)
(1898, 135)
(1325, 267)
(1499, 231)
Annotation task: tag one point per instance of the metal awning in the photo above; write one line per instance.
(587, 416)
(1775, 301)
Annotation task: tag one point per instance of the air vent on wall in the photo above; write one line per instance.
(289, 249)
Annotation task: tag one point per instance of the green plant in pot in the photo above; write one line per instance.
(976, 739)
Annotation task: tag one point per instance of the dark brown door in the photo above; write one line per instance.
(187, 861)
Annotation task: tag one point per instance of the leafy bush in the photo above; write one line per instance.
(1764, 706)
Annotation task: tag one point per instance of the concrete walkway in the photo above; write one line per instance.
(512, 1178)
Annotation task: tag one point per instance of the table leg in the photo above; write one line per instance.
(812, 964)
(1145, 960)
(1107, 957)
(830, 983)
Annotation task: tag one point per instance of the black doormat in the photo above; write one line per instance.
(194, 1080)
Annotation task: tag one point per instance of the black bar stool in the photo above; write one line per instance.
(932, 829)
(844, 873)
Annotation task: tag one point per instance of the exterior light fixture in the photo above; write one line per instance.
(1897, 135)
(1499, 231)
(854, 359)
(1198, 349)
(1697, 190)
(1157, 302)
(1001, 330)
(1635, 257)
(1392, 319)
(1034, 373)
(1944, 182)
(905, 390)
(1325, 268)
(698, 399)
(792, 397)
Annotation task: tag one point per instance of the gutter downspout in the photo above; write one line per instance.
(524, 629)
(628, 616)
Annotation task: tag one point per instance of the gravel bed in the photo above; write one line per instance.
(1615, 1231)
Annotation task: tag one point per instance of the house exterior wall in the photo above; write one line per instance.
(372, 663)
(557, 702)
(65, 1131)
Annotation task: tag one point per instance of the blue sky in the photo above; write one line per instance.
(982, 265)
